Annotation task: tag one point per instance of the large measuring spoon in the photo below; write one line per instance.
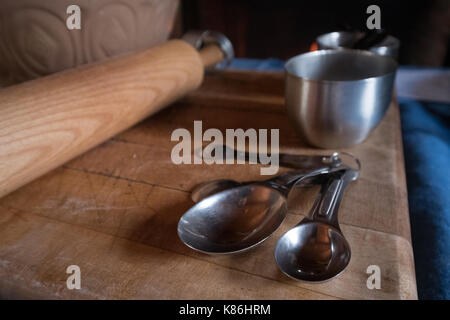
(239, 218)
(316, 250)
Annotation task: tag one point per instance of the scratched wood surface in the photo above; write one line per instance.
(114, 210)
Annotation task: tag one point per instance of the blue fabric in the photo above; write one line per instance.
(426, 140)
(256, 64)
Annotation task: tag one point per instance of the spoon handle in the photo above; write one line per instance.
(285, 182)
(301, 162)
(370, 39)
(326, 206)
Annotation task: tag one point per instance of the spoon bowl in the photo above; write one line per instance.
(244, 214)
(209, 188)
(316, 250)
(233, 220)
(312, 251)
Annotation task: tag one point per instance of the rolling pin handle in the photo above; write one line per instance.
(215, 48)
(211, 55)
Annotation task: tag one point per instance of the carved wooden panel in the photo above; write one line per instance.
(35, 41)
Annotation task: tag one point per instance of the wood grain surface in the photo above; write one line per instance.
(114, 210)
(49, 121)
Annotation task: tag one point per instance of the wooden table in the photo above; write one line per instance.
(113, 212)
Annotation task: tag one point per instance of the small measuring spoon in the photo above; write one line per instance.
(308, 164)
(239, 218)
(316, 250)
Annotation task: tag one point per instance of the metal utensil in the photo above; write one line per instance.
(307, 163)
(370, 39)
(304, 162)
(239, 218)
(335, 98)
(316, 250)
(296, 161)
(209, 188)
(385, 46)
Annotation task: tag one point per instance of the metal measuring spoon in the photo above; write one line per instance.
(316, 250)
(309, 164)
(239, 218)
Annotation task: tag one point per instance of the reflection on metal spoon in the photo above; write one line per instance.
(239, 218)
(316, 250)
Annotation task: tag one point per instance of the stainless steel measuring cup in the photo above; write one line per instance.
(335, 98)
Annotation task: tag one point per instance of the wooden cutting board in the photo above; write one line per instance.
(113, 212)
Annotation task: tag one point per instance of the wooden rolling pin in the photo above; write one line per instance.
(48, 121)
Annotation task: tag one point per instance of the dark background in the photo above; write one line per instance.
(282, 29)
